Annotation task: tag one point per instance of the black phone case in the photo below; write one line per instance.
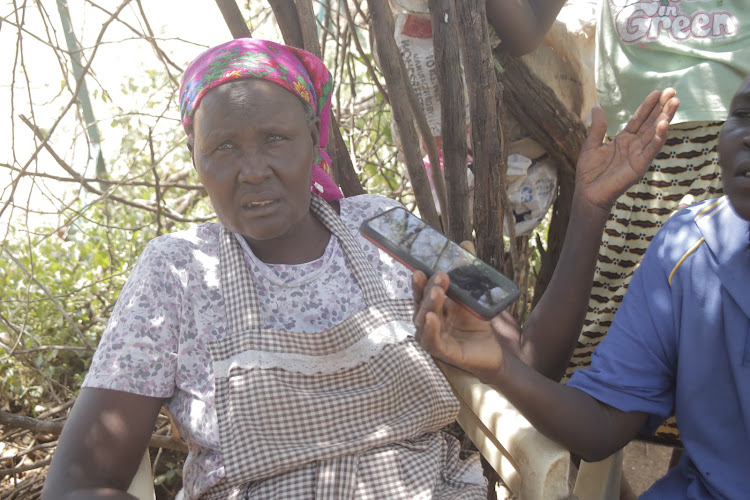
(457, 293)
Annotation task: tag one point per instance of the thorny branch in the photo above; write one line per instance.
(68, 238)
(48, 328)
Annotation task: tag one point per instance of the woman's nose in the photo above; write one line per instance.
(254, 168)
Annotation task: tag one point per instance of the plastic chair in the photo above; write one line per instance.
(531, 465)
(142, 486)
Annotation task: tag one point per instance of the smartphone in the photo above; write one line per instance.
(474, 284)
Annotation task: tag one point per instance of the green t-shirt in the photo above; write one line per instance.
(701, 48)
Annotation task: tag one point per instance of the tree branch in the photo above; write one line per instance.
(382, 26)
(233, 18)
(55, 428)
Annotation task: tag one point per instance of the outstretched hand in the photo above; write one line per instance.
(454, 335)
(605, 171)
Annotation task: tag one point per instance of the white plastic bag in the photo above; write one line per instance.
(564, 61)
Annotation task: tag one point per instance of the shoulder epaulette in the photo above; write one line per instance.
(702, 213)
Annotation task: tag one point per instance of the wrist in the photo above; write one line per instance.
(589, 211)
(503, 372)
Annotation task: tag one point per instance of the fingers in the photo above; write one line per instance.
(656, 142)
(505, 325)
(668, 111)
(657, 107)
(430, 338)
(668, 104)
(508, 318)
(418, 282)
(665, 109)
(432, 300)
(598, 129)
(649, 110)
(654, 145)
(508, 333)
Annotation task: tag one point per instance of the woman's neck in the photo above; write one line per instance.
(305, 244)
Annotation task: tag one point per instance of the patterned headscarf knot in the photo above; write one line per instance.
(298, 71)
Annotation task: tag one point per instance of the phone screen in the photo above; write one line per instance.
(474, 283)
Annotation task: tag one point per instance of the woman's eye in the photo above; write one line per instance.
(275, 138)
(225, 146)
(742, 113)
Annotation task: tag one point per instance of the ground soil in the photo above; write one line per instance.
(644, 463)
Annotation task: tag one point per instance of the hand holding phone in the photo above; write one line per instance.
(474, 284)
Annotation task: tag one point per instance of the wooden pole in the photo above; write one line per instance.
(452, 118)
(233, 17)
(419, 118)
(538, 110)
(382, 26)
(489, 168)
(287, 18)
(560, 132)
(307, 23)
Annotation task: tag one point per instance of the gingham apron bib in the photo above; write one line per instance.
(325, 434)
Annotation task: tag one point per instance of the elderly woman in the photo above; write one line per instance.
(279, 339)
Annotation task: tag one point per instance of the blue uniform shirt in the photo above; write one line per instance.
(680, 344)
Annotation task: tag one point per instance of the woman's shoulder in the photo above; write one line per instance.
(179, 246)
(355, 209)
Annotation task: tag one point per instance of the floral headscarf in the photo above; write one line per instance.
(296, 70)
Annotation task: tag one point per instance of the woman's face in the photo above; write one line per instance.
(253, 149)
(734, 152)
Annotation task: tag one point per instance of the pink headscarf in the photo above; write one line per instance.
(296, 70)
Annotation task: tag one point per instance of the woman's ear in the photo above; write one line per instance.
(190, 148)
(314, 125)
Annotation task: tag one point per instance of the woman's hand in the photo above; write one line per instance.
(605, 171)
(454, 335)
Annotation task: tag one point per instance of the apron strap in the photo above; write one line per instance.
(369, 281)
(238, 290)
(241, 304)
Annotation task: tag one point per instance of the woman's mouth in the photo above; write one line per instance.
(258, 204)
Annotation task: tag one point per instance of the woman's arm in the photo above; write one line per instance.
(101, 445)
(522, 24)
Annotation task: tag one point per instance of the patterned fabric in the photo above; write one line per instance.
(156, 341)
(686, 165)
(362, 417)
(398, 471)
(298, 71)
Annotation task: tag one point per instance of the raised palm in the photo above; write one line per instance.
(606, 170)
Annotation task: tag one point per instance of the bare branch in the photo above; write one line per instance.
(55, 428)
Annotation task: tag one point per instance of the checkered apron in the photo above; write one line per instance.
(362, 432)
